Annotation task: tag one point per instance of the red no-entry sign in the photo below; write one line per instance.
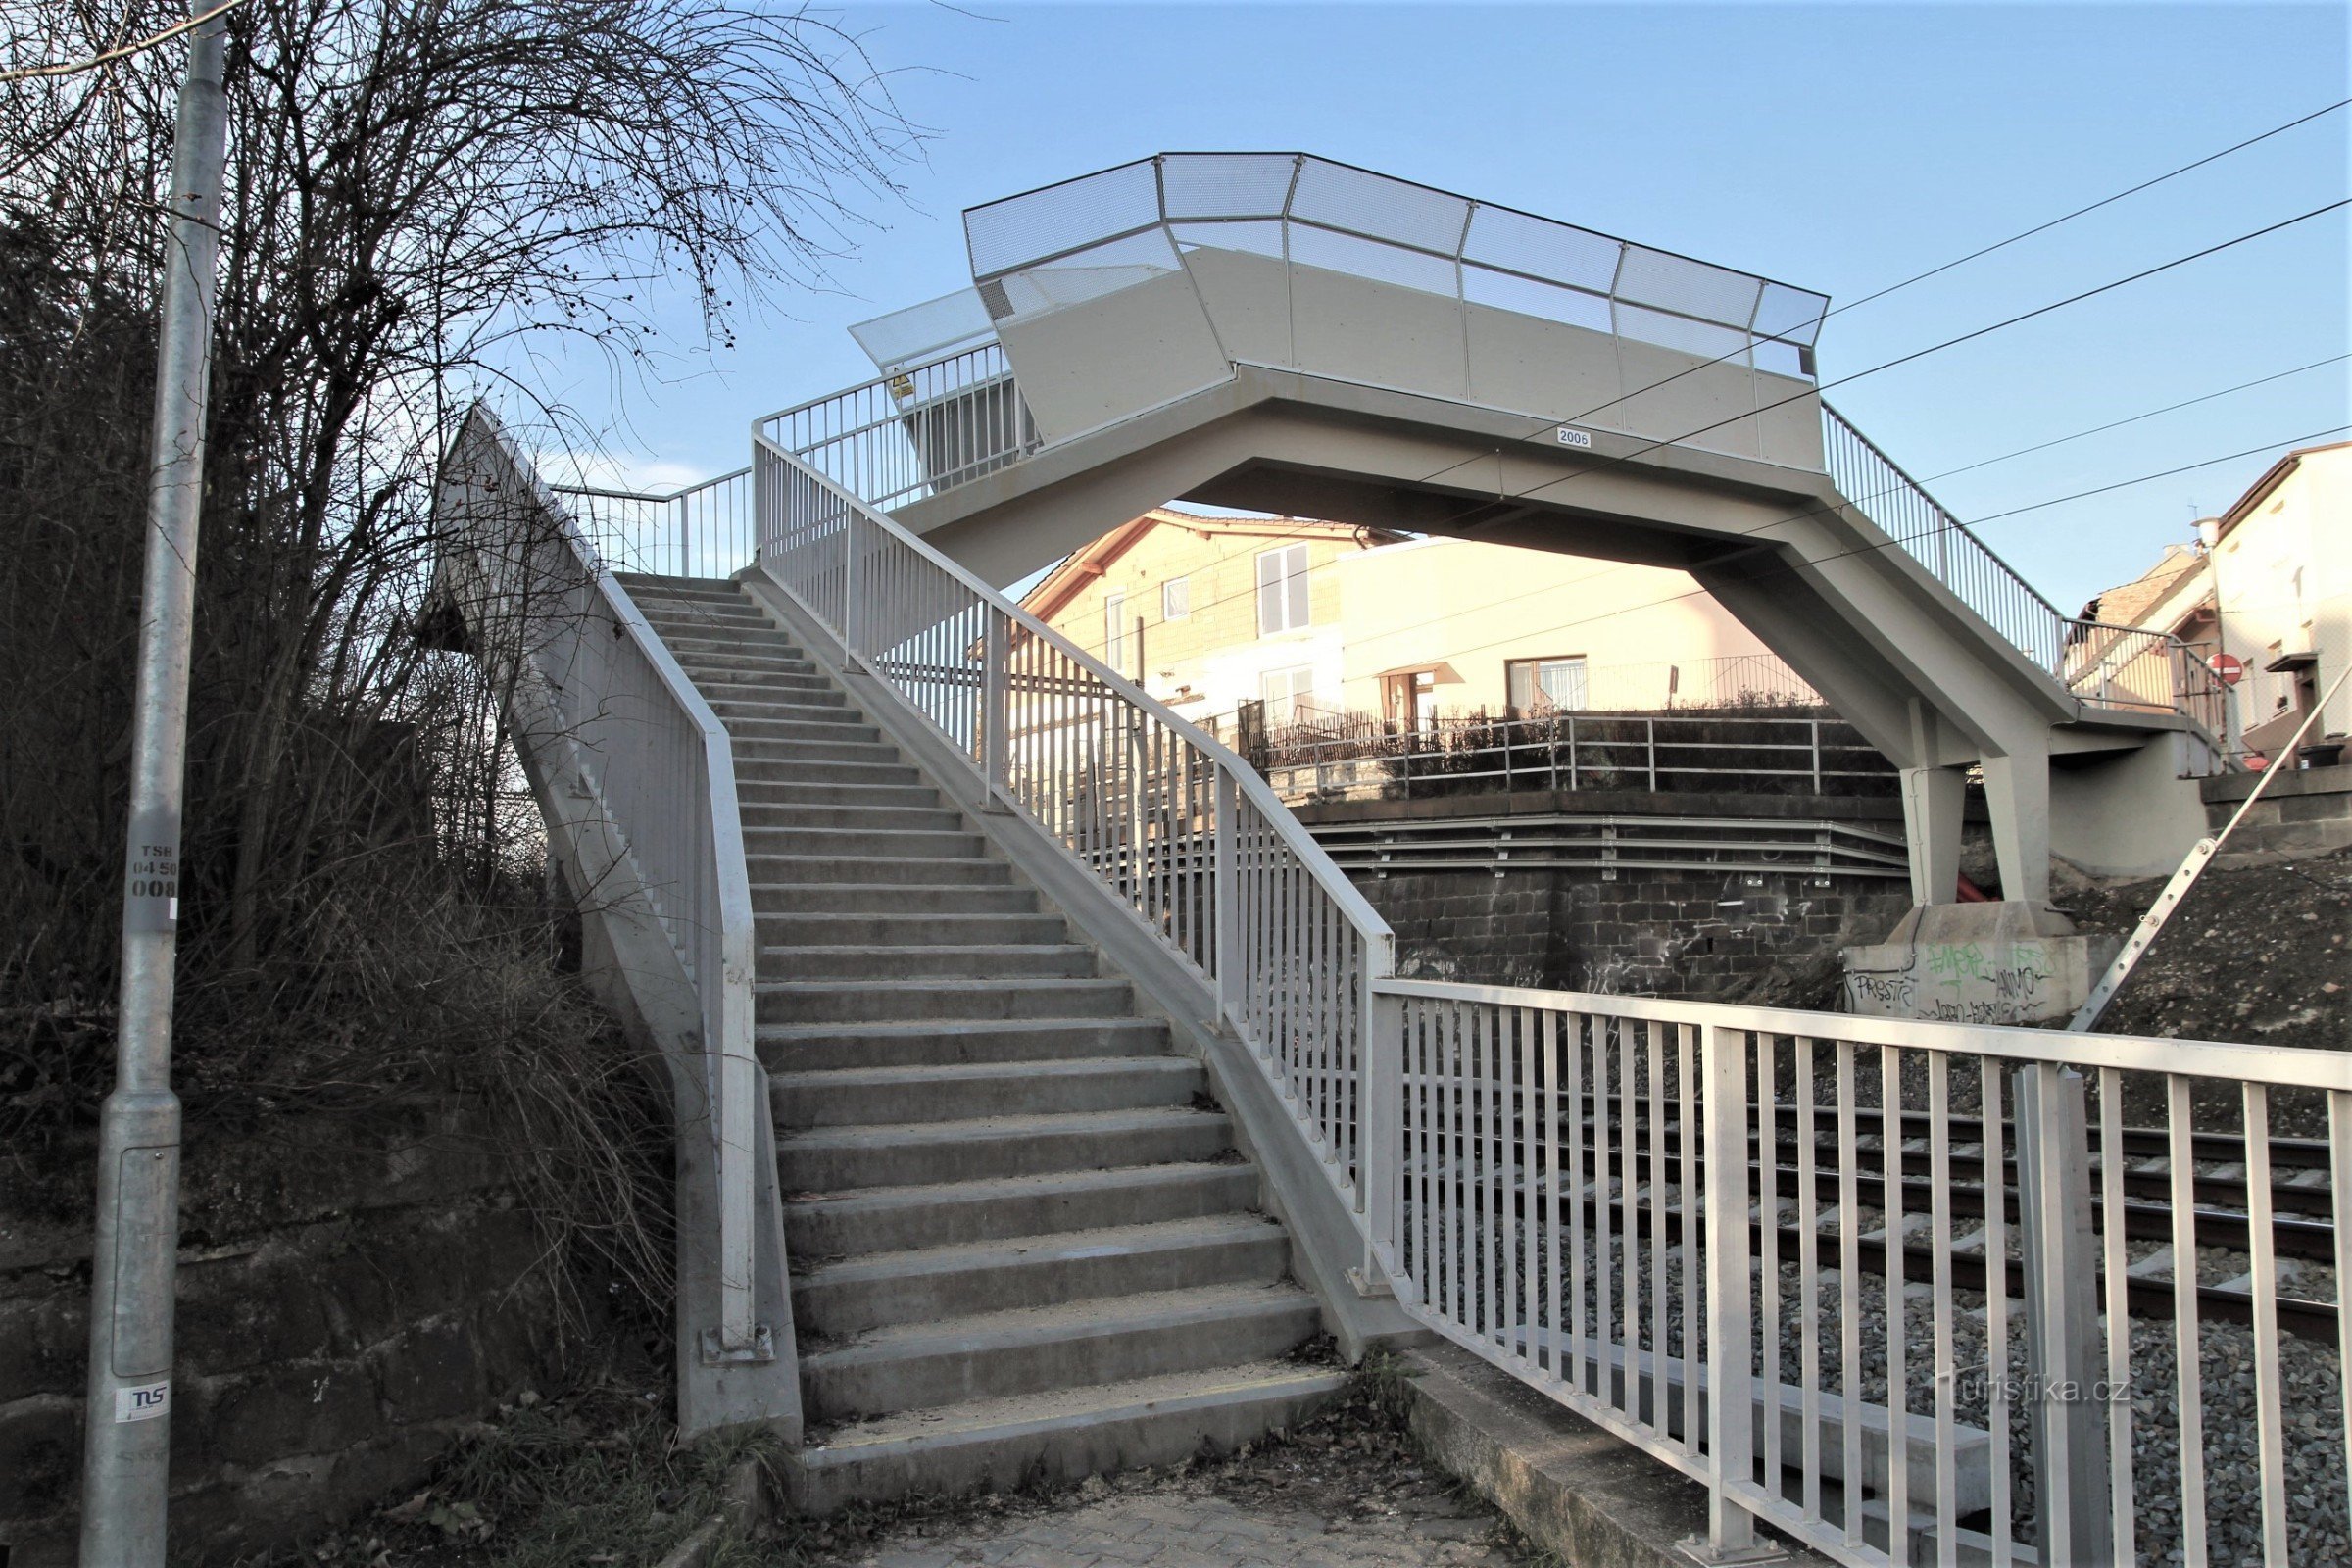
(2227, 668)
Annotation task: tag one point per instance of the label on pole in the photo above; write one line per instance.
(149, 1401)
(151, 882)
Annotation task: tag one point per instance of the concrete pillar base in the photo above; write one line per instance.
(2008, 962)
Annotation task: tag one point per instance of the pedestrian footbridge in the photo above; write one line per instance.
(1075, 1081)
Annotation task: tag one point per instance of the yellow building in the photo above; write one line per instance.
(1323, 620)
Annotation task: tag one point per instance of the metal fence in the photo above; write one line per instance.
(1582, 751)
(1912, 1293)
(703, 530)
(1612, 844)
(591, 677)
(914, 432)
(1183, 832)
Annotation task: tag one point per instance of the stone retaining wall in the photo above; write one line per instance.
(2304, 812)
(352, 1296)
(1701, 935)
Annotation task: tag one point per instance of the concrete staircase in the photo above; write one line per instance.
(1022, 1241)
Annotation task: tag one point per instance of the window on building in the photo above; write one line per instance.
(1282, 590)
(1114, 631)
(1537, 686)
(1290, 695)
(1176, 598)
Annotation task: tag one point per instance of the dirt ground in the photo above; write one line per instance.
(2261, 955)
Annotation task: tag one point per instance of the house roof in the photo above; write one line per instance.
(2271, 480)
(1084, 565)
(2131, 603)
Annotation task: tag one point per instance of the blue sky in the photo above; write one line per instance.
(1841, 148)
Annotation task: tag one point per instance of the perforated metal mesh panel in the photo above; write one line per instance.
(1256, 236)
(1687, 287)
(1374, 205)
(922, 331)
(1033, 252)
(1793, 315)
(1227, 184)
(1022, 230)
(1521, 243)
(1368, 257)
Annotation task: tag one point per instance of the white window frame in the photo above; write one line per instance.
(1114, 629)
(1282, 691)
(1539, 700)
(1282, 600)
(1176, 598)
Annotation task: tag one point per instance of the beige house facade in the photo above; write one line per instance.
(1324, 620)
(2270, 582)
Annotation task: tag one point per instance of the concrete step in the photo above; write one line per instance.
(860, 1294)
(809, 706)
(799, 794)
(844, 818)
(754, 741)
(862, 1097)
(914, 931)
(769, 765)
(892, 843)
(741, 686)
(1072, 1345)
(891, 1219)
(772, 896)
(708, 618)
(832, 1160)
(1044, 960)
(716, 641)
(911, 870)
(708, 658)
(820, 1047)
(1000, 1445)
(684, 587)
(830, 725)
(942, 998)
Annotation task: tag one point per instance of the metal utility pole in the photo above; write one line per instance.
(126, 1446)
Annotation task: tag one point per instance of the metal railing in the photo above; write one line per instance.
(1583, 751)
(912, 433)
(1181, 830)
(1611, 844)
(1864, 1279)
(660, 772)
(703, 530)
(2107, 667)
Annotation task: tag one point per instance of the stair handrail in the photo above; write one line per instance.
(716, 935)
(1989, 585)
(1182, 828)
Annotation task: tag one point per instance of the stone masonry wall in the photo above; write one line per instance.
(1700, 936)
(352, 1296)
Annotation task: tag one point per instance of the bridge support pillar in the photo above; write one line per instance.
(2017, 792)
(1934, 798)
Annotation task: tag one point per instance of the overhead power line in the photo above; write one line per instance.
(1987, 250)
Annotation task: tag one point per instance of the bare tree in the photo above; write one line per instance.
(426, 196)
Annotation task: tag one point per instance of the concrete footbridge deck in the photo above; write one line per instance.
(1280, 332)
